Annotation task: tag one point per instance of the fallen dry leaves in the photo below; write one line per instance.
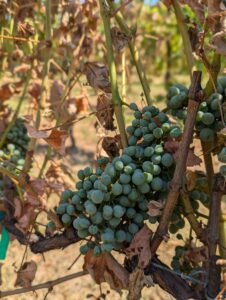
(26, 274)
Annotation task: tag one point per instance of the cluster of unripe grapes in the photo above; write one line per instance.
(210, 114)
(111, 202)
(13, 152)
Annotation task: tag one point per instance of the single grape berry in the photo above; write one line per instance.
(119, 165)
(157, 184)
(206, 134)
(116, 189)
(120, 236)
(167, 160)
(138, 177)
(208, 118)
(133, 228)
(84, 249)
(118, 211)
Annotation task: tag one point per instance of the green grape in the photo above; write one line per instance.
(65, 195)
(162, 117)
(93, 229)
(106, 247)
(107, 211)
(103, 160)
(216, 103)
(208, 118)
(133, 106)
(175, 264)
(128, 170)
(110, 170)
(97, 218)
(152, 220)
(139, 152)
(195, 195)
(105, 179)
(159, 149)
(157, 184)
(206, 134)
(144, 188)
(133, 228)
(97, 196)
(143, 205)
(148, 137)
(222, 155)
(91, 209)
(130, 129)
(114, 222)
(138, 218)
(182, 114)
(181, 223)
(126, 189)
(87, 185)
(118, 211)
(138, 132)
(119, 165)
(195, 205)
(147, 166)
(124, 201)
(156, 159)
(126, 159)
(166, 127)
(79, 185)
(129, 237)
(70, 209)
(61, 209)
(99, 171)
(2, 154)
(148, 151)
(173, 91)
(132, 140)
(152, 126)
(222, 81)
(130, 150)
(120, 236)
(133, 195)
(108, 236)
(83, 223)
(175, 132)
(138, 177)
(81, 174)
(116, 189)
(145, 130)
(96, 251)
(147, 116)
(124, 178)
(173, 228)
(51, 225)
(143, 123)
(203, 106)
(88, 171)
(11, 147)
(66, 219)
(137, 114)
(84, 249)
(223, 170)
(82, 193)
(136, 123)
(167, 160)
(148, 177)
(158, 133)
(130, 212)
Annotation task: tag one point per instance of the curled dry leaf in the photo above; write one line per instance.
(35, 90)
(119, 38)
(57, 139)
(140, 246)
(111, 146)
(97, 76)
(191, 178)
(105, 268)
(26, 274)
(136, 283)
(196, 255)
(82, 104)
(105, 112)
(6, 91)
(155, 208)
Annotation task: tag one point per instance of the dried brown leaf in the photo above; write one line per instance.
(155, 208)
(111, 146)
(26, 274)
(191, 177)
(105, 112)
(6, 91)
(196, 255)
(136, 284)
(105, 268)
(36, 134)
(57, 139)
(35, 90)
(82, 104)
(97, 76)
(119, 38)
(140, 246)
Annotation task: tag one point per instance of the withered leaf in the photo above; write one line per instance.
(82, 104)
(35, 90)
(57, 140)
(97, 76)
(105, 268)
(155, 208)
(196, 255)
(26, 274)
(191, 177)
(105, 112)
(6, 91)
(136, 284)
(140, 246)
(37, 134)
(119, 38)
(111, 146)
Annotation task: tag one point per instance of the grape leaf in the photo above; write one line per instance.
(105, 268)
(111, 146)
(140, 246)
(82, 104)
(105, 112)
(119, 38)
(26, 274)
(57, 140)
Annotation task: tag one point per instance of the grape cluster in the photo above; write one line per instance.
(209, 116)
(110, 204)
(222, 158)
(179, 262)
(18, 136)
(11, 157)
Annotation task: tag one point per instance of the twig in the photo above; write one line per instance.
(177, 181)
(116, 100)
(46, 285)
(184, 33)
(134, 53)
(123, 5)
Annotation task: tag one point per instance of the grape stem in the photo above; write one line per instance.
(195, 98)
(134, 52)
(116, 100)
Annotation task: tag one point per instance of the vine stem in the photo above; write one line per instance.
(16, 113)
(46, 285)
(177, 181)
(116, 100)
(185, 37)
(124, 76)
(134, 52)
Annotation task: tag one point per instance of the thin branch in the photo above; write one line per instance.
(46, 285)
(177, 181)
